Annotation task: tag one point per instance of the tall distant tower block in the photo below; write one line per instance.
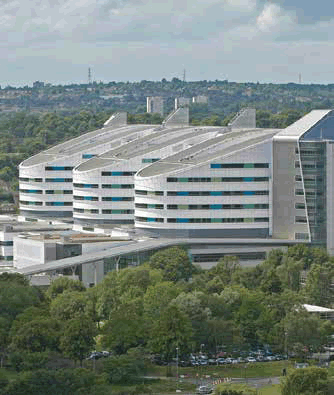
(155, 104)
(181, 102)
(246, 118)
(201, 99)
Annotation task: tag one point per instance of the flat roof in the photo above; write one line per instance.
(130, 247)
(222, 145)
(152, 142)
(298, 128)
(317, 309)
(88, 141)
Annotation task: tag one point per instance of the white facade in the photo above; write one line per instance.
(46, 180)
(221, 190)
(103, 187)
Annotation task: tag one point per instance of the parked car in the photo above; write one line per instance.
(95, 355)
(220, 361)
(250, 359)
(204, 389)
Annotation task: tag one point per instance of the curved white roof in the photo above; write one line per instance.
(298, 128)
(87, 142)
(153, 142)
(221, 145)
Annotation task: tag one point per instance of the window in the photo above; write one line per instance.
(91, 198)
(144, 205)
(37, 191)
(58, 192)
(117, 211)
(148, 219)
(218, 179)
(117, 199)
(300, 206)
(88, 156)
(217, 220)
(143, 192)
(6, 243)
(299, 192)
(58, 203)
(25, 179)
(118, 173)
(149, 160)
(85, 185)
(239, 165)
(58, 168)
(28, 203)
(89, 211)
(301, 236)
(58, 180)
(300, 220)
(121, 186)
(217, 193)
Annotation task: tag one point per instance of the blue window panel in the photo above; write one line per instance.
(88, 156)
(116, 173)
(248, 178)
(150, 219)
(215, 165)
(87, 198)
(182, 193)
(216, 193)
(215, 206)
(249, 193)
(182, 220)
(116, 199)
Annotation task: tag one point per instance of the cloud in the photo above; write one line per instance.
(273, 18)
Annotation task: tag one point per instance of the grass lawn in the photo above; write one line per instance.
(265, 369)
(153, 387)
(270, 390)
(9, 374)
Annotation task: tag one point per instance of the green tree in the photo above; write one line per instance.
(157, 298)
(303, 332)
(307, 381)
(126, 327)
(68, 305)
(63, 284)
(4, 338)
(126, 368)
(318, 288)
(172, 329)
(174, 262)
(37, 335)
(78, 338)
(60, 382)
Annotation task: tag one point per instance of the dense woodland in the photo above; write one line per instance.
(155, 308)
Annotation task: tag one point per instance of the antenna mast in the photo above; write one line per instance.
(89, 76)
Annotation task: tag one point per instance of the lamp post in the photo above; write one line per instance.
(177, 369)
(201, 360)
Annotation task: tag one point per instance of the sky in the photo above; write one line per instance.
(56, 41)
